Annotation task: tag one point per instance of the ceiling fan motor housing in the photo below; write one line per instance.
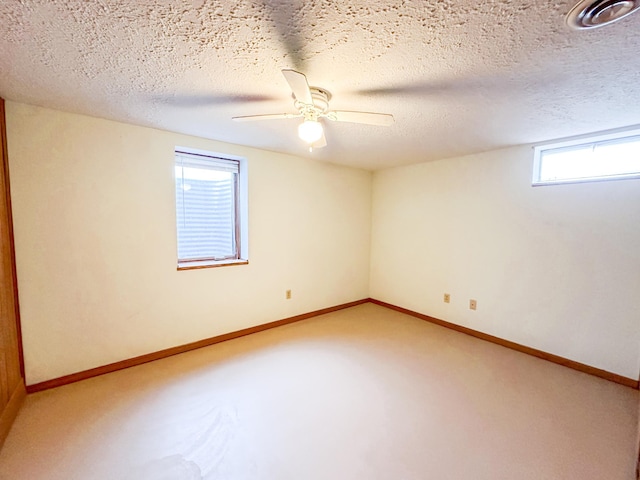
(321, 99)
(320, 104)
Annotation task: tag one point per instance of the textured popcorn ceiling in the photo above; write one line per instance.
(459, 76)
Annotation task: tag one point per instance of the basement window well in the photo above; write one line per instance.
(211, 209)
(599, 157)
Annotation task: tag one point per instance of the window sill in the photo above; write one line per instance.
(610, 178)
(211, 264)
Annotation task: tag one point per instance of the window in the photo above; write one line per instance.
(210, 209)
(610, 156)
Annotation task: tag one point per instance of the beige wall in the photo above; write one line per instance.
(556, 268)
(95, 239)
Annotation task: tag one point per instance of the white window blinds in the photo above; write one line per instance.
(206, 207)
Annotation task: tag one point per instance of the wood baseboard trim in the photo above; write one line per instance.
(150, 357)
(10, 412)
(581, 367)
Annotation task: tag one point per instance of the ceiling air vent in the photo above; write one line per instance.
(597, 13)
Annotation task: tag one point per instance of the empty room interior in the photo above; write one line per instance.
(320, 240)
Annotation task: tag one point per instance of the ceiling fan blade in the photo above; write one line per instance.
(294, 42)
(206, 99)
(299, 86)
(271, 116)
(369, 118)
(466, 85)
(321, 142)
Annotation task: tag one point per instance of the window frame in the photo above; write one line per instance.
(571, 143)
(241, 256)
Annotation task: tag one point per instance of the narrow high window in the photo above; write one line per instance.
(209, 213)
(611, 156)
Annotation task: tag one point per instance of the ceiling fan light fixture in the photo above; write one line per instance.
(310, 131)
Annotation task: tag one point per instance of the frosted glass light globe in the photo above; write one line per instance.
(310, 131)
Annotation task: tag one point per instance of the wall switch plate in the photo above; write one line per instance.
(473, 304)
(287, 295)
(447, 298)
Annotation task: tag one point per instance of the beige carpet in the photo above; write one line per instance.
(360, 394)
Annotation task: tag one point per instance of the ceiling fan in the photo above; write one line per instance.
(312, 104)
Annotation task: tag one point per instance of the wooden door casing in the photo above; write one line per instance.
(12, 390)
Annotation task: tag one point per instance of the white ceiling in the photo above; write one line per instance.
(459, 76)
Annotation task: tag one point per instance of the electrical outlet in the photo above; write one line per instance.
(287, 295)
(473, 304)
(447, 298)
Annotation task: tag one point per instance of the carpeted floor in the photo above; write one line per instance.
(360, 394)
